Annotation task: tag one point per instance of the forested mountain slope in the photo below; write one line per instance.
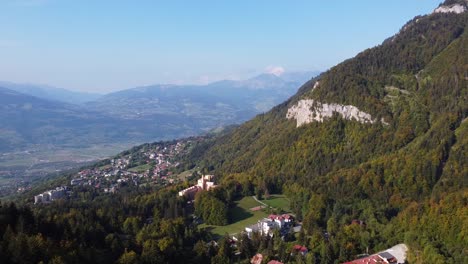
(371, 153)
(405, 169)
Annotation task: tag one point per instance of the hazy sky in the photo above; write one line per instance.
(98, 45)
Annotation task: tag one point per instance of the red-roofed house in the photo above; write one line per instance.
(367, 260)
(274, 262)
(280, 220)
(299, 249)
(257, 259)
(381, 258)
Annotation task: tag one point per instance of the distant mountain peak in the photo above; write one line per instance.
(266, 77)
(275, 70)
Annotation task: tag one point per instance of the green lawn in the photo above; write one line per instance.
(184, 175)
(241, 216)
(278, 201)
(104, 167)
(141, 168)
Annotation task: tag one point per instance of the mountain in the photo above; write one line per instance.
(202, 106)
(49, 133)
(37, 116)
(31, 122)
(28, 120)
(380, 137)
(51, 93)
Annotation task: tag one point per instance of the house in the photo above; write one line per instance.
(264, 227)
(288, 218)
(278, 219)
(397, 256)
(298, 249)
(282, 220)
(374, 259)
(272, 222)
(358, 222)
(77, 181)
(387, 257)
(255, 228)
(257, 259)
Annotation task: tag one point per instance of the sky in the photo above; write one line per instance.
(107, 45)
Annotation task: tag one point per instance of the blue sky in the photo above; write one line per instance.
(102, 46)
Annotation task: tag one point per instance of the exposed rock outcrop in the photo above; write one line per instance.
(456, 8)
(308, 110)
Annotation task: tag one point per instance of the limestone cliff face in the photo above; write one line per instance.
(308, 110)
(456, 8)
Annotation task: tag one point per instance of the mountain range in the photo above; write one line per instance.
(51, 93)
(37, 115)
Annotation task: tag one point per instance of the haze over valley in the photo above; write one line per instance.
(47, 129)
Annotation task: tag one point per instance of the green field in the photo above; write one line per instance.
(36, 156)
(184, 175)
(240, 216)
(278, 201)
(141, 168)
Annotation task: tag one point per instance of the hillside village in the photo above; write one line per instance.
(153, 164)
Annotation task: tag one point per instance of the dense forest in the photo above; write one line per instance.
(407, 180)
(403, 180)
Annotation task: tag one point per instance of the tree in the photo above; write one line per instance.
(201, 252)
(225, 250)
(259, 193)
(128, 257)
(211, 209)
(57, 260)
(131, 225)
(245, 246)
(151, 252)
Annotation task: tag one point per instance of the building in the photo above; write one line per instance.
(274, 262)
(190, 192)
(388, 258)
(58, 193)
(397, 256)
(205, 183)
(366, 260)
(51, 195)
(298, 249)
(41, 198)
(257, 259)
(264, 227)
(282, 220)
(77, 181)
(267, 225)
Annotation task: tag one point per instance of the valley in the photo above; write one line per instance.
(43, 133)
(21, 169)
